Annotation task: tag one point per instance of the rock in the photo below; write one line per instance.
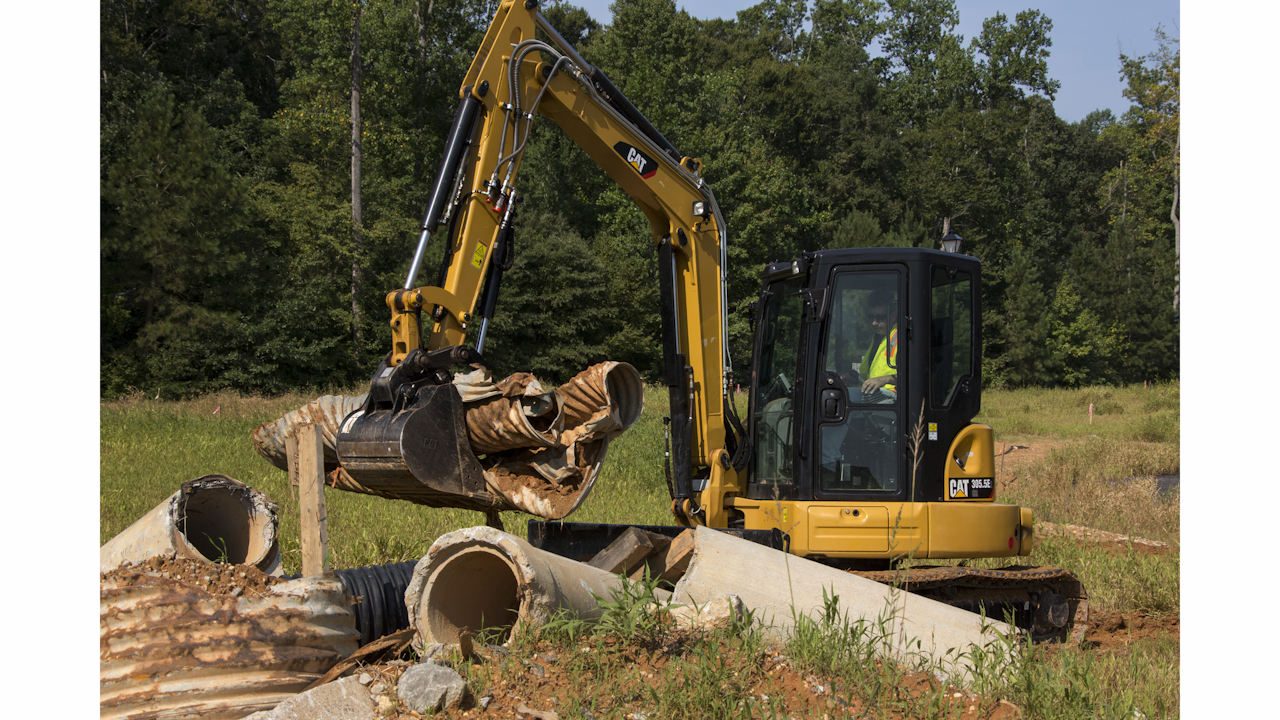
(536, 715)
(378, 688)
(427, 687)
(719, 613)
(345, 699)
(484, 702)
(365, 678)
(1009, 709)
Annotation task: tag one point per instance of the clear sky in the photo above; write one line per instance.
(1087, 39)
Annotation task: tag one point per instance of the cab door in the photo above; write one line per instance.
(859, 411)
(862, 387)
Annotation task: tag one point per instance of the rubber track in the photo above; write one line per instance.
(924, 578)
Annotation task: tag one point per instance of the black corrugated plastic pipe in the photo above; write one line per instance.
(382, 611)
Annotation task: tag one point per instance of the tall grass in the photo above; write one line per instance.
(1101, 483)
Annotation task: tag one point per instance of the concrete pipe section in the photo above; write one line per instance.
(773, 584)
(212, 519)
(481, 578)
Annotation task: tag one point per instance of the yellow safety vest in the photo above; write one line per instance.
(876, 362)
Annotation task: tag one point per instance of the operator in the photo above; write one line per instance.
(879, 365)
(881, 360)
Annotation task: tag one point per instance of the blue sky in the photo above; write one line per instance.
(1087, 39)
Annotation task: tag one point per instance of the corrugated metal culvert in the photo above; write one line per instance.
(170, 650)
(543, 448)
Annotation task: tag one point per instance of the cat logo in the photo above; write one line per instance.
(970, 488)
(641, 163)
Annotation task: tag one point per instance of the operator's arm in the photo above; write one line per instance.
(871, 385)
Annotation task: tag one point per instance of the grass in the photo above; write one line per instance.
(149, 447)
(632, 663)
(1148, 414)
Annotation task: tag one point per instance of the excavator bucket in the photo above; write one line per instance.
(466, 441)
(419, 452)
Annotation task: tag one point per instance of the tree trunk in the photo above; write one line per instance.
(419, 123)
(1177, 224)
(357, 220)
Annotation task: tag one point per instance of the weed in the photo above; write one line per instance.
(632, 615)
(1157, 403)
(1162, 428)
(221, 546)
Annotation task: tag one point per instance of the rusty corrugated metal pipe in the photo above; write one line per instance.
(543, 448)
(171, 650)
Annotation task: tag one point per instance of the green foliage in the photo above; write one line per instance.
(1028, 357)
(1129, 278)
(553, 304)
(227, 243)
(1088, 352)
(630, 613)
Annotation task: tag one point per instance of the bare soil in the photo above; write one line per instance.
(540, 687)
(1014, 458)
(1115, 631)
(213, 578)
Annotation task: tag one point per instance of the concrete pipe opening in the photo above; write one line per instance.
(477, 589)
(213, 518)
(221, 525)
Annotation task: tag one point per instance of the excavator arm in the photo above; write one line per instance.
(514, 78)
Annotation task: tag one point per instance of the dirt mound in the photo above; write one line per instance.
(1114, 630)
(217, 579)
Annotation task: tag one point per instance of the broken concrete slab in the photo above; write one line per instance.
(428, 688)
(777, 587)
(480, 577)
(346, 699)
(720, 613)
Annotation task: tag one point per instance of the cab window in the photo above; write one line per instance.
(774, 403)
(950, 333)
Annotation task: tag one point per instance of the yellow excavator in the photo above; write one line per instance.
(859, 449)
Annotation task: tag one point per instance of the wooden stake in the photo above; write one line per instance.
(315, 519)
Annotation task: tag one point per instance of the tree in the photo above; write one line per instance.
(1128, 278)
(357, 217)
(1152, 83)
(169, 234)
(1028, 356)
(553, 305)
(1087, 350)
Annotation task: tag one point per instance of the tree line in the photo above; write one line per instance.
(265, 163)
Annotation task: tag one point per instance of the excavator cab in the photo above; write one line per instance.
(866, 378)
(866, 364)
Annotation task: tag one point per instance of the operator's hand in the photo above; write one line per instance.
(873, 384)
